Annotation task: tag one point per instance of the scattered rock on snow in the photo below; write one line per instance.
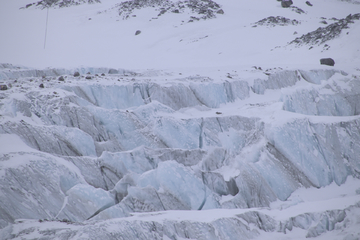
(137, 32)
(58, 4)
(204, 8)
(327, 61)
(61, 78)
(309, 3)
(41, 85)
(326, 47)
(76, 74)
(3, 87)
(297, 10)
(351, 1)
(323, 34)
(273, 21)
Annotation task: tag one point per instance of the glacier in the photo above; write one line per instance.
(164, 119)
(120, 155)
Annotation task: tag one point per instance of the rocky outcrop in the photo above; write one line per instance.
(276, 21)
(324, 34)
(58, 3)
(203, 9)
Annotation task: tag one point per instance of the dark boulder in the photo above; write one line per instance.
(76, 74)
(327, 61)
(3, 87)
(286, 3)
(309, 3)
(61, 78)
(137, 32)
(41, 85)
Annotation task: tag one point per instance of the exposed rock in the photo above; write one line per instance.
(59, 4)
(323, 34)
(3, 87)
(309, 3)
(351, 1)
(286, 3)
(297, 10)
(327, 61)
(137, 32)
(76, 74)
(162, 12)
(273, 21)
(61, 78)
(220, 11)
(326, 47)
(88, 77)
(204, 8)
(41, 85)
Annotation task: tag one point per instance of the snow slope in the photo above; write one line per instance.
(227, 40)
(214, 128)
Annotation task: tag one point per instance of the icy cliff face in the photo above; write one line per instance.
(112, 145)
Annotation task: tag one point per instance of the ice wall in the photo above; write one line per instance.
(336, 98)
(105, 149)
(9, 71)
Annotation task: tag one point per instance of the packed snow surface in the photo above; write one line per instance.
(185, 120)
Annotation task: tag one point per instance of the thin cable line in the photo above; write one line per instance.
(47, 17)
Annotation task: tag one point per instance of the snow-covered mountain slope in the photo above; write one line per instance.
(96, 35)
(206, 124)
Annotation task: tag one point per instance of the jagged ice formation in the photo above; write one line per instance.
(114, 145)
